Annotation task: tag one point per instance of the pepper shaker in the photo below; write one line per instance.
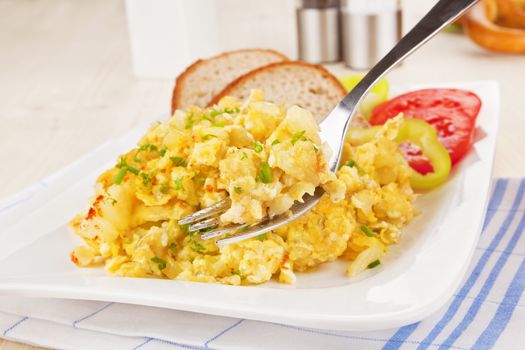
(318, 31)
(370, 28)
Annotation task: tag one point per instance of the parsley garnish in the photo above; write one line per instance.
(146, 178)
(133, 170)
(148, 147)
(257, 147)
(316, 149)
(231, 111)
(164, 188)
(374, 264)
(215, 112)
(350, 163)
(120, 175)
(208, 136)
(189, 122)
(178, 161)
(297, 136)
(238, 273)
(185, 228)
(238, 190)
(265, 174)
(197, 247)
(275, 142)
(173, 246)
(244, 155)
(160, 262)
(219, 124)
(179, 186)
(243, 228)
(163, 151)
(367, 231)
(261, 237)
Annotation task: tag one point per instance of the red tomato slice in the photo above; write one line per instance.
(415, 158)
(451, 112)
(461, 100)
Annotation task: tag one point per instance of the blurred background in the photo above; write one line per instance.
(75, 73)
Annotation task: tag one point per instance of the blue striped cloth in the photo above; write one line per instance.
(488, 311)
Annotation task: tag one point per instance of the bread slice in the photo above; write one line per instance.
(201, 81)
(292, 82)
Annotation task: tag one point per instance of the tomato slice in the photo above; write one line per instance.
(415, 158)
(451, 112)
(453, 99)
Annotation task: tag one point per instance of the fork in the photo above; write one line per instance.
(332, 130)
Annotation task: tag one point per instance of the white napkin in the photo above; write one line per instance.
(488, 311)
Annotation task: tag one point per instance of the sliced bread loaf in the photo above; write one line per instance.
(201, 81)
(292, 82)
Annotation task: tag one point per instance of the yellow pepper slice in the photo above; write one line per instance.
(419, 133)
(376, 96)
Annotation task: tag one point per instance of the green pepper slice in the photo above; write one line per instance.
(419, 133)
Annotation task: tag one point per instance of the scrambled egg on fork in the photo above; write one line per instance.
(264, 157)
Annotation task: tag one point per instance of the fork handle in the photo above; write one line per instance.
(443, 13)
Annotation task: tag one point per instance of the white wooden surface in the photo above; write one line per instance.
(66, 86)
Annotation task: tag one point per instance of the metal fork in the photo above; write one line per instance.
(333, 129)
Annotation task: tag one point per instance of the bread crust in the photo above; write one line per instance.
(239, 81)
(179, 81)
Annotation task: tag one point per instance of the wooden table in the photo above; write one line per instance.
(66, 86)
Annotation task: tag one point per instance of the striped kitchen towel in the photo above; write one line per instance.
(488, 310)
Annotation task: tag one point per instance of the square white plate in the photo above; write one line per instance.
(418, 276)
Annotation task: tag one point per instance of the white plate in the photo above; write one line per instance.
(417, 277)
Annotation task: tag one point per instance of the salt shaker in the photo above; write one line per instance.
(370, 28)
(318, 30)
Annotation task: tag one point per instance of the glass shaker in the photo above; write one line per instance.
(370, 28)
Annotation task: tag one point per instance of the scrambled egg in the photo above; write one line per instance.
(264, 157)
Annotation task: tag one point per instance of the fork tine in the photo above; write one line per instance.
(220, 231)
(207, 223)
(251, 232)
(207, 212)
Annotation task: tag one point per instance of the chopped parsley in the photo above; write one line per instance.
(208, 136)
(148, 147)
(257, 147)
(160, 262)
(367, 231)
(244, 155)
(178, 161)
(265, 174)
(120, 175)
(243, 228)
(275, 142)
(197, 247)
(316, 149)
(374, 264)
(146, 178)
(350, 163)
(261, 237)
(164, 188)
(112, 200)
(219, 124)
(163, 151)
(215, 112)
(185, 228)
(190, 121)
(179, 186)
(238, 273)
(133, 170)
(297, 136)
(173, 246)
(123, 169)
(232, 110)
(238, 190)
